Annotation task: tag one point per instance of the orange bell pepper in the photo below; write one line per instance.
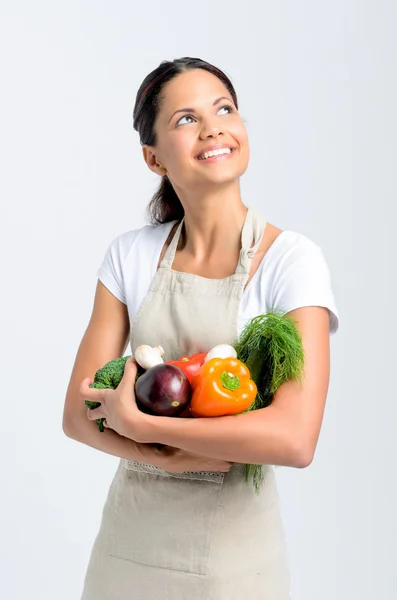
(223, 386)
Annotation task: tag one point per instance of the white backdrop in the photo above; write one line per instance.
(316, 83)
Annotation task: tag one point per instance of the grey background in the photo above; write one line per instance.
(316, 83)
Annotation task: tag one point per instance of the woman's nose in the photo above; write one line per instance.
(210, 131)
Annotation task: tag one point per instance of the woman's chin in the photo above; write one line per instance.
(221, 176)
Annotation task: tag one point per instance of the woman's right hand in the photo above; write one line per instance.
(175, 460)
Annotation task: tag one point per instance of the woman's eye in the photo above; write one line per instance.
(185, 117)
(229, 108)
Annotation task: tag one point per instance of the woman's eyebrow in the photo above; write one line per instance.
(193, 109)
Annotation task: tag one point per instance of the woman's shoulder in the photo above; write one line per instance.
(279, 243)
(293, 273)
(285, 253)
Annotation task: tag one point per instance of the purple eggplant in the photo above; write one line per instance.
(163, 390)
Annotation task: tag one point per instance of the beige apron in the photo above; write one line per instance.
(193, 535)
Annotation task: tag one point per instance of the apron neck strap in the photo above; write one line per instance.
(251, 238)
(169, 256)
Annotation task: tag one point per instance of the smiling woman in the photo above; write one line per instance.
(186, 110)
(181, 523)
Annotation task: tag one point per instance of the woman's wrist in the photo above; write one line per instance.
(142, 430)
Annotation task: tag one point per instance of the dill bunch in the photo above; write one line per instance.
(270, 345)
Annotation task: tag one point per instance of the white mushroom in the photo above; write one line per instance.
(148, 357)
(221, 351)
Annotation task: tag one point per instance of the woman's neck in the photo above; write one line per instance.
(213, 223)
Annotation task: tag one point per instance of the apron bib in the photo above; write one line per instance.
(192, 535)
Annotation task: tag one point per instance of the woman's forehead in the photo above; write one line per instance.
(195, 87)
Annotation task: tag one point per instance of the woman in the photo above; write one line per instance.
(180, 522)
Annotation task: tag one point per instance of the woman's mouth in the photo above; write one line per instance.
(219, 154)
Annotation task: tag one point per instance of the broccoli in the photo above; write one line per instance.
(108, 376)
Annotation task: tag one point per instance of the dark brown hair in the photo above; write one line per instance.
(165, 205)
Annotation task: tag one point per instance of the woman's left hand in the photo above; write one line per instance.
(118, 406)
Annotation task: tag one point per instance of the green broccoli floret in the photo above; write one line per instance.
(109, 376)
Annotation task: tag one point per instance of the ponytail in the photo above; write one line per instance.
(165, 205)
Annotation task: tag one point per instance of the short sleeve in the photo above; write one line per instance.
(303, 279)
(110, 272)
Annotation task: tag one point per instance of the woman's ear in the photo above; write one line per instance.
(152, 161)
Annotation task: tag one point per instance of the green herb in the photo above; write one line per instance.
(271, 347)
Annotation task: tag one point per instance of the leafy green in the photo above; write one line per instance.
(271, 347)
(109, 377)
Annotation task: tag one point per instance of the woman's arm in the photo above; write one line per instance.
(105, 338)
(284, 433)
(112, 443)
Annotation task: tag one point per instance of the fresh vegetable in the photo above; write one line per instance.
(108, 376)
(190, 365)
(164, 390)
(148, 357)
(221, 351)
(271, 347)
(223, 386)
(186, 414)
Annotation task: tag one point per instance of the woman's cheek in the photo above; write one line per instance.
(180, 149)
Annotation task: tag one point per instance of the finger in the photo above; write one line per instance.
(130, 370)
(95, 413)
(84, 386)
(88, 393)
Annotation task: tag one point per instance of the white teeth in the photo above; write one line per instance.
(215, 153)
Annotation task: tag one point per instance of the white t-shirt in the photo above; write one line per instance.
(292, 274)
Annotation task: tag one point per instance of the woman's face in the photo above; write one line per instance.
(197, 115)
